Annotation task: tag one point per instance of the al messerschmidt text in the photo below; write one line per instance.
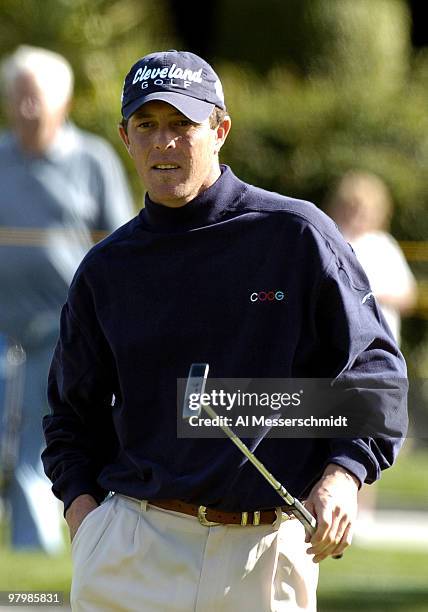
(264, 421)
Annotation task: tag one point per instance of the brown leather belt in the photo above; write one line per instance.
(211, 516)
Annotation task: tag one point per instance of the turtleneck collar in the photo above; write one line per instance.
(211, 206)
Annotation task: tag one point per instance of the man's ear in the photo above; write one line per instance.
(124, 137)
(222, 131)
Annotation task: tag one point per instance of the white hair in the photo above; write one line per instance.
(52, 73)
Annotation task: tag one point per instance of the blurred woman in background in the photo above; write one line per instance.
(361, 205)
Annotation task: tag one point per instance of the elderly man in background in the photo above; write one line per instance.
(59, 185)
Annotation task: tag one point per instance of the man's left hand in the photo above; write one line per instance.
(333, 502)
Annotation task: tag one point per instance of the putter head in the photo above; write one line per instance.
(195, 386)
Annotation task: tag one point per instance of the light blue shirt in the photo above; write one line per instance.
(49, 205)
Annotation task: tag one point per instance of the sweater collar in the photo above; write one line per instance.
(211, 206)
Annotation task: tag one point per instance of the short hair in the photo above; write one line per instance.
(52, 73)
(361, 193)
(217, 116)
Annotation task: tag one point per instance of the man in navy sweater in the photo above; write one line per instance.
(255, 284)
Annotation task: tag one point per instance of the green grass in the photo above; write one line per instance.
(34, 571)
(375, 581)
(372, 580)
(392, 600)
(384, 580)
(405, 485)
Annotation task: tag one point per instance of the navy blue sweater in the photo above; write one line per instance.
(173, 287)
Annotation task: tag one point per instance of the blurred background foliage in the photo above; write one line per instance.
(101, 39)
(314, 88)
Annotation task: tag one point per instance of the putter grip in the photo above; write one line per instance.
(304, 516)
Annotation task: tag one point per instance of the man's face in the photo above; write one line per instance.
(175, 158)
(32, 119)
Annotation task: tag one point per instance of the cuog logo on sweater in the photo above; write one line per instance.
(267, 296)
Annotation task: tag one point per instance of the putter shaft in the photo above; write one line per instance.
(294, 505)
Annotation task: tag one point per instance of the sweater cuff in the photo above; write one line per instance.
(355, 460)
(79, 486)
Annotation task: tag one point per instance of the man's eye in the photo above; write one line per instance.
(184, 122)
(144, 124)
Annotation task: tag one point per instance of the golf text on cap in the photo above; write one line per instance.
(180, 78)
(157, 75)
(267, 296)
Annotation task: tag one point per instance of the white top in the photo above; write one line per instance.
(387, 270)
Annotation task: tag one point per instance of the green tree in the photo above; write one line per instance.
(336, 87)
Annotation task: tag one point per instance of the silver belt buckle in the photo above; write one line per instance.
(202, 513)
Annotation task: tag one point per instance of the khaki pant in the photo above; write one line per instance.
(130, 556)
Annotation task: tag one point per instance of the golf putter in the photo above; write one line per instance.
(196, 382)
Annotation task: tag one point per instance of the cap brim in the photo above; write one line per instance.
(196, 110)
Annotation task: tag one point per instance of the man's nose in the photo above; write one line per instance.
(165, 139)
(29, 107)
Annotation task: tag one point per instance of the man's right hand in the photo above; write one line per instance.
(76, 512)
